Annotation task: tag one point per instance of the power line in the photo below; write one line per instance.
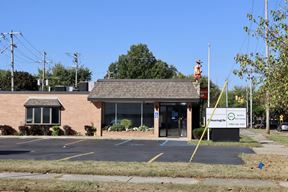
(25, 56)
(28, 49)
(31, 45)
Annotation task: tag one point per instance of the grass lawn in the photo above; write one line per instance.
(279, 137)
(52, 185)
(245, 141)
(278, 169)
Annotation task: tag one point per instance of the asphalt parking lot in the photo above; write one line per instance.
(117, 150)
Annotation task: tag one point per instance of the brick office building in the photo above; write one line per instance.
(170, 106)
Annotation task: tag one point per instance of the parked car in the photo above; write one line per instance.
(283, 127)
(259, 126)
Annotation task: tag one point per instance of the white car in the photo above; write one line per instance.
(283, 126)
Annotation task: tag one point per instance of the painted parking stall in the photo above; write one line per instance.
(148, 151)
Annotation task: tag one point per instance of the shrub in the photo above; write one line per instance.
(46, 130)
(36, 130)
(117, 127)
(56, 131)
(197, 133)
(7, 130)
(68, 130)
(127, 123)
(23, 130)
(143, 128)
(90, 130)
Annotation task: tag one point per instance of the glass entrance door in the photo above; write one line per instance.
(173, 120)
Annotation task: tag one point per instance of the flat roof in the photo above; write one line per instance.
(46, 92)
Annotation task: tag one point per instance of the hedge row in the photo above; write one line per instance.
(45, 130)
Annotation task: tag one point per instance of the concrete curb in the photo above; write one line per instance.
(90, 137)
(154, 180)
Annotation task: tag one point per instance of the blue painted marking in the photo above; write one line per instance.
(162, 144)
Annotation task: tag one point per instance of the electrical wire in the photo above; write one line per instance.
(242, 45)
(31, 45)
(35, 55)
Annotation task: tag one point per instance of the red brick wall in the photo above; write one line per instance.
(78, 111)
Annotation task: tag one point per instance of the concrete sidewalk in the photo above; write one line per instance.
(154, 180)
(268, 146)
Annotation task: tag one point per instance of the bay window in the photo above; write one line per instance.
(43, 115)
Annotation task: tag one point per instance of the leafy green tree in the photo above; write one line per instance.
(23, 81)
(271, 76)
(61, 75)
(140, 63)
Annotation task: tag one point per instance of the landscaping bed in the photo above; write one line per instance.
(128, 134)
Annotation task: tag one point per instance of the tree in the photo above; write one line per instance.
(60, 75)
(271, 76)
(23, 81)
(140, 63)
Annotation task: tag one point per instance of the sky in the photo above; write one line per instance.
(176, 31)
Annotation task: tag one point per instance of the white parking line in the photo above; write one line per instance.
(123, 142)
(74, 142)
(30, 141)
(154, 158)
(162, 144)
(74, 156)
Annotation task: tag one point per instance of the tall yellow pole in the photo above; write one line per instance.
(207, 125)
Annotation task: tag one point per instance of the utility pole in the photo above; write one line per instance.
(76, 63)
(209, 63)
(267, 65)
(42, 81)
(43, 71)
(227, 94)
(12, 46)
(208, 102)
(251, 98)
(247, 105)
(76, 59)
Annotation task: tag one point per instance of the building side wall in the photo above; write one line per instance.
(77, 111)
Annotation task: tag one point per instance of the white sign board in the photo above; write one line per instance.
(227, 118)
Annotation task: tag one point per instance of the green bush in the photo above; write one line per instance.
(143, 128)
(7, 130)
(46, 129)
(197, 133)
(68, 130)
(127, 123)
(36, 130)
(117, 127)
(56, 131)
(90, 130)
(23, 130)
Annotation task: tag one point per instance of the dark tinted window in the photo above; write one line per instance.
(46, 115)
(109, 113)
(131, 111)
(55, 115)
(29, 115)
(37, 115)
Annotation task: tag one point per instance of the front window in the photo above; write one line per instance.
(29, 115)
(43, 115)
(131, 111)
(55, 116)
(37, 115)
(46, 115)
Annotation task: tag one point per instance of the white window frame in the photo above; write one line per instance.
(41, 116)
